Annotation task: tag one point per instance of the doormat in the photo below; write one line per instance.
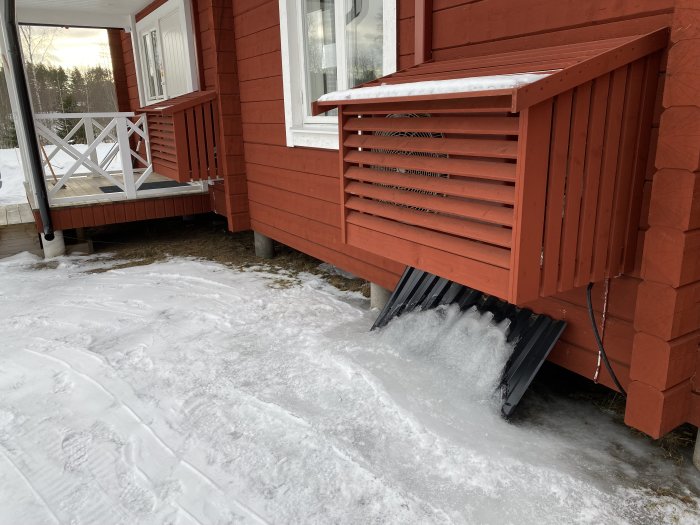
(147, 186)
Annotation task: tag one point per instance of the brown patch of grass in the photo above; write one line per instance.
(675, 445)
(206, 237)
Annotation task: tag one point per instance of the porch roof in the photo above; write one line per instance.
(79, 13)
(520, 78)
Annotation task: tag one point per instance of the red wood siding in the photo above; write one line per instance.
(218, 72)
(465, 28)
(651, 331)
(126, 211)
(149, 9)
(293, 192)
(665, 389)
(119, 69)
(476, 27)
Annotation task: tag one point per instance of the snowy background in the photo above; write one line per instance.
(12, 189)
(12, 177)
(188, 392)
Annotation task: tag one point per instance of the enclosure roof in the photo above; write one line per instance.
(525, 77)
(79, 13)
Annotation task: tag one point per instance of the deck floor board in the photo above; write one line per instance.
(11, 214)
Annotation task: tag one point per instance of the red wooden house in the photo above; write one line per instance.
(524, 148)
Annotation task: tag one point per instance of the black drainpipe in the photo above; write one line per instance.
(14, 55)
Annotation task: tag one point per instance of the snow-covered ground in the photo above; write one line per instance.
(186, 392)
(12, 175)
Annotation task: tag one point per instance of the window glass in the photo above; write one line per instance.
(158, 63)
(320, 48)
(153, 65)
(363, 41)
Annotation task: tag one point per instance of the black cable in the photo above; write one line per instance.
(600, 342)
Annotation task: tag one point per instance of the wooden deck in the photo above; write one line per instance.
(85, 190)
(17, 230)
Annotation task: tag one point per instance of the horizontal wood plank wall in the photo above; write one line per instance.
(218, 72)
(126, 211)
(122, 52)
(116, 51)
(293, 192)
(466, 28)
(405, 30)
(665, 389)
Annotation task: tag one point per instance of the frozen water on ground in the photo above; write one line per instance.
(185, 392)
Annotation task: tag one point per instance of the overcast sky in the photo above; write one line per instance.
(72, 47)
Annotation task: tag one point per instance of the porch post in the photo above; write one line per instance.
(263, 246)
(378, 296)
(23, 114)
(125, 154)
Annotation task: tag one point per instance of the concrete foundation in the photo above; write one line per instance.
(696, 452)
(263, 246)
(378, 296)
(54, 248)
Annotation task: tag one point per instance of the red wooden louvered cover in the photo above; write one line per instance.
(183, 135)
(519, 191)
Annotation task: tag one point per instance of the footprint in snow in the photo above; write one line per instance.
(76, 449)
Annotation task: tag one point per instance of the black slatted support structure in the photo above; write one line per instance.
(534, 335)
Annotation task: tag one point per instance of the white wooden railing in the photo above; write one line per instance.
(116, 149)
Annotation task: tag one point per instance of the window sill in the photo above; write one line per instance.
(320, 136)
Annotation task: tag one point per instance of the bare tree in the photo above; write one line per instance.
(37, 44)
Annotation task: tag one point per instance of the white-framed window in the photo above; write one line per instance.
(152, 65)
(329, 45)
(165, 53)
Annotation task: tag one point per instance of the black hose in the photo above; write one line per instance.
(600, 342)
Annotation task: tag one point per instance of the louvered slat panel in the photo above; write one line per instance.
(469, 125)
(445, 182)
(183, 136)
(500, 149)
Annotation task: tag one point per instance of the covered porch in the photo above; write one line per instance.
(163, 150)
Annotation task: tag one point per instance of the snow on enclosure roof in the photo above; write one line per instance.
(526, 76)
(437, 87)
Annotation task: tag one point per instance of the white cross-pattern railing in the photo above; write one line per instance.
(116, 149)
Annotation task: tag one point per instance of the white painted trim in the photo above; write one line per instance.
(137, 61)
(319, 132)
(55, 116)
(22, 139)
(193, 188)
(287, 66)
(324, 136)
(188, 23)
(390, 36)
(72, 18)
(152, 21)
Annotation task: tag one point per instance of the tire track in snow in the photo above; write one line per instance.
(186, 464)
(29, 484)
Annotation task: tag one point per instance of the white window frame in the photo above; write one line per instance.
(152, 21)
(144, 31)
(321, 131)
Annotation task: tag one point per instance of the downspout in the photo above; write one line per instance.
(423, 49)
(14, 55)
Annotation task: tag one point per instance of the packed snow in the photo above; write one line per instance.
(436, 87)
(12, 175)
(188, 392)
